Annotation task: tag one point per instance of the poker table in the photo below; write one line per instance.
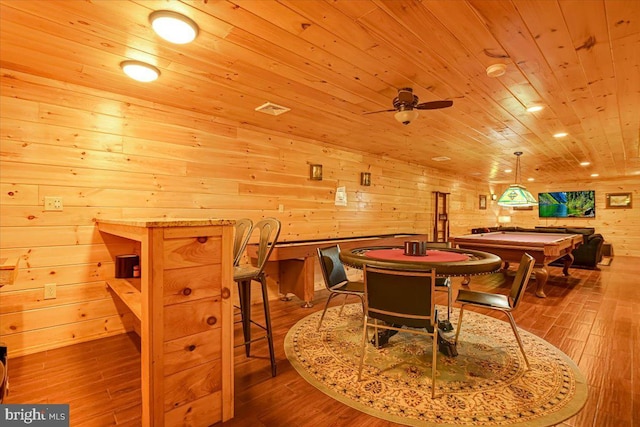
(543, 247)
(446, 262)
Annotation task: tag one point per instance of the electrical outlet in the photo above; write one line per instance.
(53, 203)
(280, 207)
(50, 291)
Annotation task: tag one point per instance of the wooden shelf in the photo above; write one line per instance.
(128, 293)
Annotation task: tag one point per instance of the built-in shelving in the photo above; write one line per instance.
(183, 301)
(128, 294)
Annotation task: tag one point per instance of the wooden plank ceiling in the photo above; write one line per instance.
(332, 61)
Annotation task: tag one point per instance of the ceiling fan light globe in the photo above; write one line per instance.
(406, 116)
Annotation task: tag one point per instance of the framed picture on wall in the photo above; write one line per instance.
(619, 200)
(482, 203)
(315, 172)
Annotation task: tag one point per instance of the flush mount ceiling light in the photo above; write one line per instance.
(517, 195)
(560, 135)
(406, 116)
(140, 71)
(585, 163)
(535, 108)
(496, 70)
(173, 26)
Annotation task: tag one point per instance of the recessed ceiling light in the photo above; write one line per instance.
(531, 179)
(535, 108)
(560, 135)
(508, 171)
(585, 163)
(595, 174)
(140, 71)
(496, 70)
(173, 27)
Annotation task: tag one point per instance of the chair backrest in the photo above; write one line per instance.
(269, 230)
(332, 268)
(438, 245)
(522, 278)
(243, 229)
(400, 297)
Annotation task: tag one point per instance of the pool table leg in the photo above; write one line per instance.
(541, 278)
(567, 261)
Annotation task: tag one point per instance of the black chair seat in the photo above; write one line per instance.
(443, 281)
(349, 287)
(483, 299)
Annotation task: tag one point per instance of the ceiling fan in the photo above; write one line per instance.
(406, 104)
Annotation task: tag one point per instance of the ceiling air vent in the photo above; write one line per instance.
(273, 109)
(440, 159)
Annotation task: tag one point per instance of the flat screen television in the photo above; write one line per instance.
(567, 204)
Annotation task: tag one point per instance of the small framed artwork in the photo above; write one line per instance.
(619, 200)
(365, 179)
(315, 172)
(482, 203)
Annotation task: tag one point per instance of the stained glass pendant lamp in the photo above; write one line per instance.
(517, 195)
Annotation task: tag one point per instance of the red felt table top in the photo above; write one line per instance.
(432, 256)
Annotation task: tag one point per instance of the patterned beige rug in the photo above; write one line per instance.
(485, 385)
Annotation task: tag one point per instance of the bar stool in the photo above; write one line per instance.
(244, 275)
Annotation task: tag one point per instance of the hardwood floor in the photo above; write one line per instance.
(593, 316)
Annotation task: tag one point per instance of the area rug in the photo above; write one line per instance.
(487, 384)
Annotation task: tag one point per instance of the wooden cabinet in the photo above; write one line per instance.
(183, 303)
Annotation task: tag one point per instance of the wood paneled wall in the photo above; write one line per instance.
(619, 227)
(110, 156)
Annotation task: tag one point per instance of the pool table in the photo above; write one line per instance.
(510, 245)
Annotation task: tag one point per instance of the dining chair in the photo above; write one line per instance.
(504, 303)
(443, 283)
(268, 231)
(243, 229)
(395, 298)
(335, 278)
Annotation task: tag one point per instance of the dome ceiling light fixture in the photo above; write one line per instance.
(517, 195)
(496, 70)
(173, 26)
(140, 71)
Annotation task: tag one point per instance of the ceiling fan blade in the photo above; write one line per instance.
(434, 105)
(381, 111)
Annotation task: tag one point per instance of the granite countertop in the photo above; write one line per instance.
(167, 222)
